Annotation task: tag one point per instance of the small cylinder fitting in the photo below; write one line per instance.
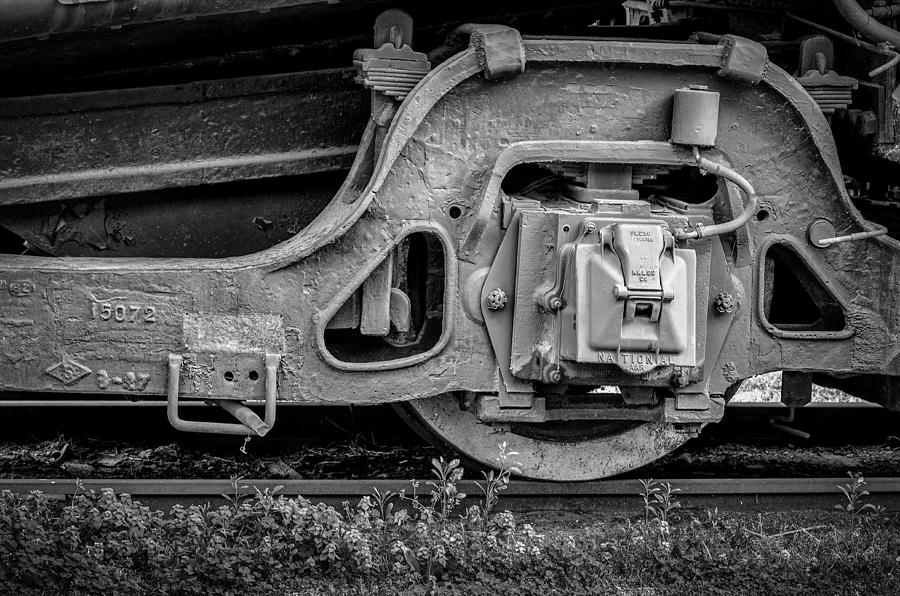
(552, 375)
(819, 232)
(695, 116)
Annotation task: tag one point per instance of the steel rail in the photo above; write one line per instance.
(517, 488)
(731, 493)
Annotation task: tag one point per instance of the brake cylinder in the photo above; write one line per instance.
(695, 116)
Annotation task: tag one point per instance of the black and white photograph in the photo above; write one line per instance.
(511, 297)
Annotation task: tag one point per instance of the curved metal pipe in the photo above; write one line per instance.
(826, 242)
(728, 226)
(865, 23)
(782, 422)
(884, 12)
(893, 57)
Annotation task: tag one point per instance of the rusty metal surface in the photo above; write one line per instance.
(221, 43)
(61, 290)
(741, 494)
(219, 220)
(75, 325)
(127, 140)
(23, 20)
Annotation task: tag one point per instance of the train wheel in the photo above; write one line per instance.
(558, 451)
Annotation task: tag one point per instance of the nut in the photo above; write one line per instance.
(496, 299)
(724, 303)
(556, 303)
(553, 376)
(680, 378)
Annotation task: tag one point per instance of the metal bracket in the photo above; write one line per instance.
(509, 206)
(552, 299)
(675, 415)
(249, 423)
(796, 388)
(490, 409)
(743, 59)
(500, 49)
(375, 319)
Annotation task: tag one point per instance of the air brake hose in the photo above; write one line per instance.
(728, 226)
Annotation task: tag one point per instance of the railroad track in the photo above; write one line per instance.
(736, 494)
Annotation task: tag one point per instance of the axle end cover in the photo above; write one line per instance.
(635, 301)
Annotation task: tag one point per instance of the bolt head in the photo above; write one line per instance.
(497, 299)
(553, 376)
(724, 303)
(555, 303)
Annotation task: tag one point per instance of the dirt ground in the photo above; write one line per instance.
(88, 458)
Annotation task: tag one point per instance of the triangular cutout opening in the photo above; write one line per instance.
(795, 299)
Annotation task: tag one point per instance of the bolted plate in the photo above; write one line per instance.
(235, 376)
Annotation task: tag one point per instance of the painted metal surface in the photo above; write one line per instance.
(71, 325)
(240, 285)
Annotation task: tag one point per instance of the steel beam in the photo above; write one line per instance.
(66, 146)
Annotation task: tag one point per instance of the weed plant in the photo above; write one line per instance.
(855, 495)
(411, 543)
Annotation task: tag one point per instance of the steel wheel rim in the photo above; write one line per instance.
(440, 420)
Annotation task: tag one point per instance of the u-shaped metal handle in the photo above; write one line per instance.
(250, 423)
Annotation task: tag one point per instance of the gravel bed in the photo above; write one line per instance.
(95, 459)
(755, 461)
(86, 458)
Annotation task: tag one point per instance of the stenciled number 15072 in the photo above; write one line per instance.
(123, 313)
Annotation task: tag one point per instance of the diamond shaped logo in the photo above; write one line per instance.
(68, 371)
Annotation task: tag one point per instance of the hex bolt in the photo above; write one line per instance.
(589, 227)
(553, 376)
(496, 299)
(680, 378)
(724, 303)
(556, 303)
